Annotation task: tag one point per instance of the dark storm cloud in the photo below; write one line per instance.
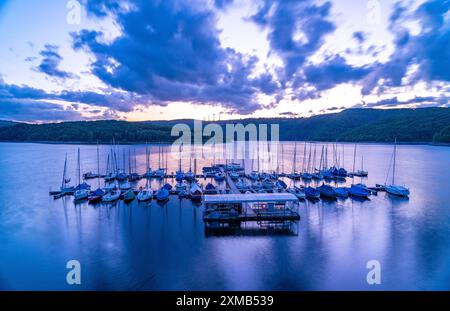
(50, 63)
(170, 51)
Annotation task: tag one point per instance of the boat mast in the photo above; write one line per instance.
(64, 172)
(79, 167)
(393, 168)
(354, 158)
(295, 160)
(98, 167)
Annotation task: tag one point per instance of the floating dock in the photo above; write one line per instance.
(258, 207)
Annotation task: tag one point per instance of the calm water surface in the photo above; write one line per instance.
(153, 247)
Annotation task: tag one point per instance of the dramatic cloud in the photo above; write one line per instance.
(32, 101)
(297, 29)
(50, 63)
(331, 72)
(170, 51)
(160, 52)
(428, 50)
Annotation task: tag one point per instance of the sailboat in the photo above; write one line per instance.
(96, 195)
(210, 189)
(160, 172)
(111, 196)
(65, 185)
(294, 175)
(196, 192)
(145, 194)
(306, 175)
(162, 195)
(129, 195)
(312, 193)
(82, 190)
(327, 191)
(134, 176)
(393, 188)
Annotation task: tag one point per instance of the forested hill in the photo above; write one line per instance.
(425, 125)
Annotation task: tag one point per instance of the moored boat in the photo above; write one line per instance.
(112, 196)
(327, 191)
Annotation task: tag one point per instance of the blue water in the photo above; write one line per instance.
(153, 247)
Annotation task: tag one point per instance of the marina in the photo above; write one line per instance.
(170, 239)
(238, 196)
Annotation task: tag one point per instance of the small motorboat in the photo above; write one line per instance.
(312, 193)
(327, 191)
(129, 195)
(145, 194)
(111, 196)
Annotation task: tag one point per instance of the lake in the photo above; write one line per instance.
(153, 247)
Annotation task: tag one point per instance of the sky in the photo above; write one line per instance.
(219, 59)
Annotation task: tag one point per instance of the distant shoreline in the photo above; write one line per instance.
(168, 143)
